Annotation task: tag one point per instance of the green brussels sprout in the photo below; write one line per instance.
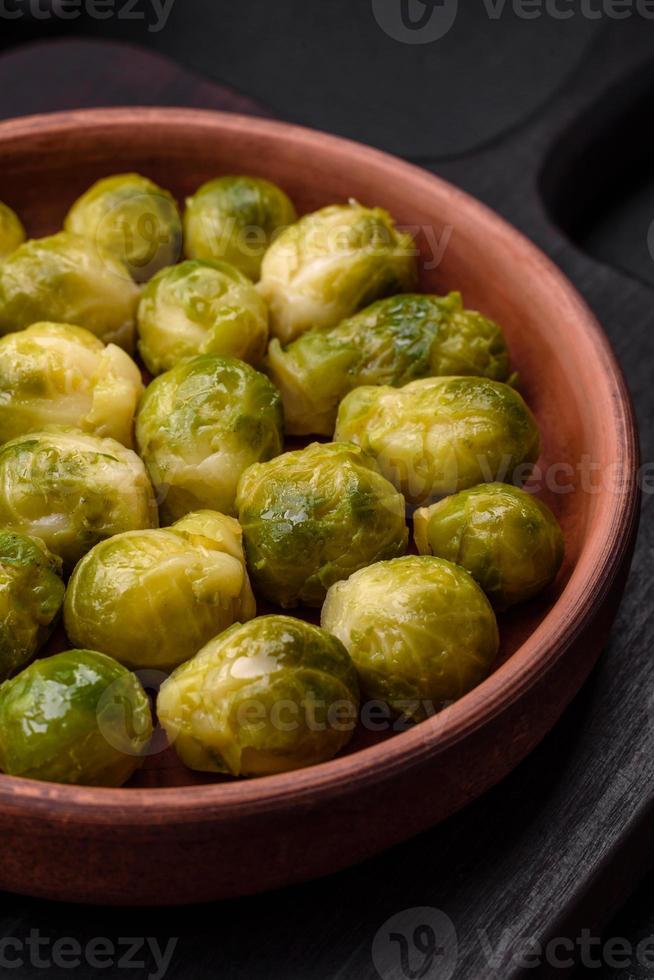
(12, 233)
(235, 218)
(419, 629)
(78, 717)
(508, 540)
(31, 596)
(200, 426)
(55, 373)
(332, 263)
(68, 279)
(314, 516)
(134, 219)
(392, 342)
(154, 598)
(439, 435)
(273, 695)
(72, 489)
(200, 308)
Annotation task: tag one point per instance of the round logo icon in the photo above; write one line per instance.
(416, 944)
(415, 21)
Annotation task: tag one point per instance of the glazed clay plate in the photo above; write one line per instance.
(174, 836)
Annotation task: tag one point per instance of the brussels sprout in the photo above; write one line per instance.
(332, 263)
(134, 219)
(68, 279)
(153, 598)
(419, 629)
(392, 342)
(200, 426)
(31, 596)
(200, 308)
(55, 373)
(439, 435)
(12, 233)
(273, 695)
(72, 490)
(314, 516)
(508, 540)
(77, 717)
(235, 218)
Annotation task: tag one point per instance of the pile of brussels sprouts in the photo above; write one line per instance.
(149, 518)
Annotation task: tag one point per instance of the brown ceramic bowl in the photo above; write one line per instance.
(177, 837)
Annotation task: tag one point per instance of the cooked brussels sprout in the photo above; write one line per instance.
(312, 517)
(200, 426)
(12, 233)
(392, 342)
(68, 279)
(508, 540)
(439, 435)
(153, 598)
(72, 490)
(235, 218)
(332, 263)
(134, 219)
(419, 629)
(77, 717)
(31, 596)
(273, 695)
(55, 373)
(200, 308)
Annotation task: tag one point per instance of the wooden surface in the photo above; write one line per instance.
(550, 841)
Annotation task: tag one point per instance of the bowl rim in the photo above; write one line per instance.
(589, 583)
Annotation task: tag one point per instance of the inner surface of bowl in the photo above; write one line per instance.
(561, 359)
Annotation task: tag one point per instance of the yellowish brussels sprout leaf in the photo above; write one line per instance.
(419, 629)
(332, 263)
(266, 697)
(12, 233)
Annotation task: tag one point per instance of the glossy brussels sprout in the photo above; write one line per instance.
(200, 426)
(200, 308)
(419, 629)
(153, 598)
(332, 263)
(72, 490)
(78, 717)
(508, 540)
(235, 218)
(55, 373)
(31, 596)
(12, 233)
(439, 435)
(312, 517)
(134, 219)
(68, 279)
(273, 695)
(392, 342)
